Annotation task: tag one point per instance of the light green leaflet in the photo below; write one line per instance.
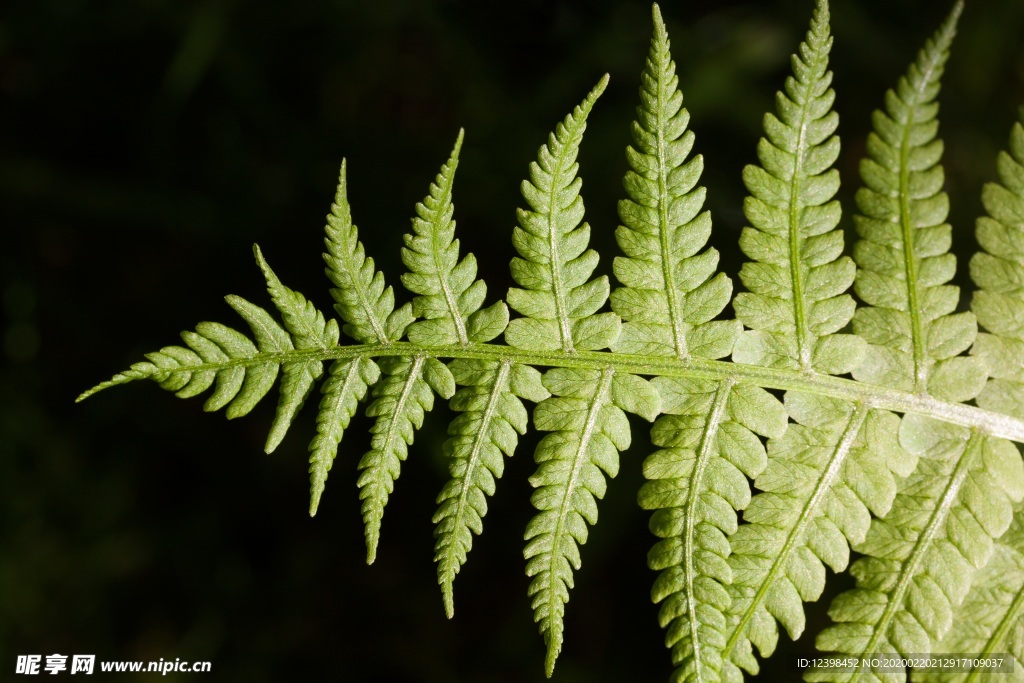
(838, 463)
(920, 557)
(708, 435)
(991, 619)
(999, 274)
(893, 464)
(990, 623)
(903, 262)
(585, 415)
(798, 279)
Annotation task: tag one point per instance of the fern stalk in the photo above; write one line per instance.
(895, 400)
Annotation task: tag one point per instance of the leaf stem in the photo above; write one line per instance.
(988, 422)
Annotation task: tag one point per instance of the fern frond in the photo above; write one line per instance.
(368, 308)
(671, 295)
(491, 415)
(309, 330)
(449, 300)
(361, 298)
(559, 304)
(896, 464)
(449, 296)
(240, 371)
(921, 558)
(991, 618)
(343, 390)
(586, 412)
(589, 428)
(671, 291)
(797, 281)
(914, 338)
(400, 400)
(999, 272)
(839, 460)
(696, 483)
(831, 470)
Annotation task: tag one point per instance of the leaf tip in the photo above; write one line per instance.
(119, 378)
(273, 439)
(315, 493)
(948, 28)
(554, 647)
(659, 23)
(268, 274)
(447, 595)
(372, 534)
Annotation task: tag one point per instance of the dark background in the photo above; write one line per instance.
(145, 145)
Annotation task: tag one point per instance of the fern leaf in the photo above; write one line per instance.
(696, 483)
(999, 272)
(449, 300)
(671, 295)
(921, 558)
(896, 464)
(491, 416)
(240, 371)
(342, 391)
(589, 428)
(309, 330)
(368, 308)
(797, 281)
(559, 304)
(671, 291)
(586, 412)
(991, 619)
(903, 262)
(831, 470)
(449, 296)
(185, 372)
(270, 338)
(400, 400)
(839, 461)
(361, 298)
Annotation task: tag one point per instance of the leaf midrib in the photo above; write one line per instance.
(708, 440)
(664, 229)
(439, 246)
(450, 561)
(579, 458)
(924, 541)
(992, 423)
(997, 639)
(796, 536)
(909, 261)
(795, 242)
(387, 450)
(554, 237)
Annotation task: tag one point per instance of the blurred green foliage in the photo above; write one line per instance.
(147, 143)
